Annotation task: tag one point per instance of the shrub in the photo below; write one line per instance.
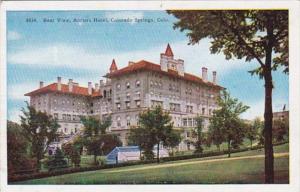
(58, 162)
(13, 178)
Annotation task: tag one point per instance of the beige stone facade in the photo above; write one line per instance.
(128, 91)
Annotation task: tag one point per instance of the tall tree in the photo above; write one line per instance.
(139, 136)
(155, 127)
(40, 129)
(260, 35)
(215, 135)
(95, 138)
(226, 118)
(17, 149)
(198, 131)
(173, 140)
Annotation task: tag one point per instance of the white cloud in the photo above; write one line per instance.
(117, 15)
(57, 55)
(13, 35)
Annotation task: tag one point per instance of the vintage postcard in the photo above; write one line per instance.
(152, 95)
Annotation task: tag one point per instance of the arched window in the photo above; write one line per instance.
(118, 121)
(128, 120)
(118, 86)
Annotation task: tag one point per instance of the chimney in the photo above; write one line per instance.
(41, 84)
(204, 73)
(70, 85)
(214, 77)
(130, 63)
(96, 87)
(89, 88)
(59, 83)
(101, 83)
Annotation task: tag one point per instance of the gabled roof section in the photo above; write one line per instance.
(148, 66)
(113, 66)
(77, 90)
(169, 51)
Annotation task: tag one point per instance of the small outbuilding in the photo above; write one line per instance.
(129, 153)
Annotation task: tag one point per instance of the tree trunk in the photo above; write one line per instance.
(38, 164)
(229, 148)
(250, 143)
(269, 158)
(95, 159)
(157, 155)
(140, 154)
(268, 115)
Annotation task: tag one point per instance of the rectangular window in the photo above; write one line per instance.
(185, 122)
(188, 134)
(138, 104)
(128, 105)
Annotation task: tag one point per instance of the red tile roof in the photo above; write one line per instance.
(77, 90)
(145, 65)
(113, 66)
(169, 51)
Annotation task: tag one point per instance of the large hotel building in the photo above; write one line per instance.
(128, 91)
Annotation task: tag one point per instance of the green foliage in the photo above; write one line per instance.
(260, 35)
(252, 132)
(222, 172)
(155, 127)
(95, 138)
(280, 129)
(226, 123)
(199, 133)
(72, 151)
(18, 158)
(240, 34)
(94, 126)
(58, 162)
(40, 130)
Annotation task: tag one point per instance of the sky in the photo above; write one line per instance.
(76, 46)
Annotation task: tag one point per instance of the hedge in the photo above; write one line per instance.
(38, 175)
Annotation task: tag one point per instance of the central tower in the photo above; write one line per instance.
(167, 62)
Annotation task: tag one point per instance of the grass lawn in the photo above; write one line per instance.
(244, 167)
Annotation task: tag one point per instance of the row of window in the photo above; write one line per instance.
(128, 120)
(66, 117)
(186, 122)
(128, 105)
(156, 84)
(128, 85)
(176, 107)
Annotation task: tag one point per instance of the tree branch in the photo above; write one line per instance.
(235, 32)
